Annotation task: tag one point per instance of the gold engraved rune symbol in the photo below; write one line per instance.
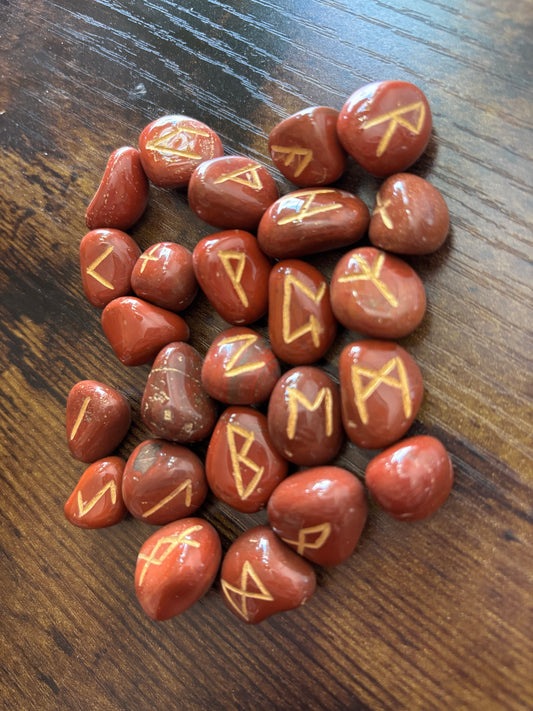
(168, 544)
(247, 339)
(235, 274)
(244, 593)
(85, 506)
(376, 379)
(79, 418)
(185, 486)
(313, 325)
(381, 210)
(91, 269)
(295, 398)
(397, 118)
(371, 274)
(239, 457)
(323, 530)
(244, 176)
(167, 146)
(294, 153)
(305, 209)
(147, 257)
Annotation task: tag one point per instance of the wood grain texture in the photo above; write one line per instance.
(433, 615)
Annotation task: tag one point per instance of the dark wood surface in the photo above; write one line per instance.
(433, 615)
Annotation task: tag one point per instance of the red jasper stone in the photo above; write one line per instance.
(310, 221)
(176, 566)
(122, 195)
(410, 216)
(97, 418)
(377, 294)
(240, 368)
(107, 258)
(261, 576)
(385, 126)
(381, 392)
(304, 416)
(137, 330)
(305, 148)
(242, 466)
(233, 273)
(411, 479)
(96, 501)
(301, 324)
(320, 513)
(174, 405)
(163, 482)
(231, 192)
(173, 146)
(164, 276)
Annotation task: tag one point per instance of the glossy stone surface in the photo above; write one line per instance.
(163, 482)
(97, 420)
(164, 276)
(174, 404)
(301, 325)
(137, 330)
(233, 273)
(305, 148)
(107, 258)
(385, 126)
(381, 392)
(377, 294)
(304, 416)
(231, 192)
(176, 566)
(410, 216)
(310, 221)
(171, 147)
(122, 196)
(96, 501)
(411, 479)
(239, 367)
(261, 576)
(242, 466)
(320, 513)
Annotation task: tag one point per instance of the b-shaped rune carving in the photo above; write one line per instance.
(307, 209)
(79, 418)
(313, 325)
(163, 144)
(304, 534)
(85, 506)
(371, 273)
(262, 592)
(397, 117)
(295, 398)
(376, 379)
(244, 176)
(381, 210)
(240, 457)
(168, 544)
(91, 269)
(147, 257)
(185, 486)
(303, 156)
(230, 368)
(228, 257)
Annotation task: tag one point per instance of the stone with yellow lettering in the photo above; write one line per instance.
(239, 367)
(242, 465)
(164, 276)
(304, 416)
(233, 273)
(163, 482)
(385, 126)
(320, 513)
(377, 294)
(301, 324)
(381, 392)
(96, 501)
(310, 221)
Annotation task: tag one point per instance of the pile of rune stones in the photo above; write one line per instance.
(250, 267)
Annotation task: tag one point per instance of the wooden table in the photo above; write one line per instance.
(432, 615)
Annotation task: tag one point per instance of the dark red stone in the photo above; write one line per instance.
(164, 276)
(96, 501)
